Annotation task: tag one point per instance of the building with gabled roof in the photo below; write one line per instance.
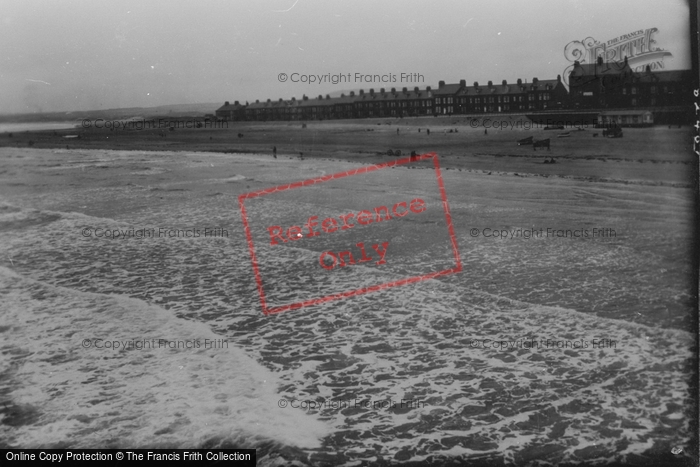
(344, 106)
(394, 103)
(593, 87)
(319, 108)
(231, 112)
(591, 83)
(462, 99)
(616, 86)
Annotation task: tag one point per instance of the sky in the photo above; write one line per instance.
(67, 55)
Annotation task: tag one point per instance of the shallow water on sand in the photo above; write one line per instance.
(514, 359)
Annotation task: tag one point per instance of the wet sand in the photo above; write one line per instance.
(652, 156)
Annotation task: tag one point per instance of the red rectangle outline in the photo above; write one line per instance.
(374, 288)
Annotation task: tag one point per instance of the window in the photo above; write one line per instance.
(506, 99)
(634, 101)
(653, 89)
(634, 90)
(624, 90)
(653, 101)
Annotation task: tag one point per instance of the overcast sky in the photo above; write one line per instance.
(62, 55)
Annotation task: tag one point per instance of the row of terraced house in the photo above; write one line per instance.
(600, 85)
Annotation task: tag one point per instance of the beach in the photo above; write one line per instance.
(566, 337)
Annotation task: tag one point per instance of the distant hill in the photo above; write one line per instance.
(174, 110)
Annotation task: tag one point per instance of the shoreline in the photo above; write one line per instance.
(649, 156)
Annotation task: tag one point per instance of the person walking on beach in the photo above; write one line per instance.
(274, 152)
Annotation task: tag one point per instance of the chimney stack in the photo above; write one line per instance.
(441, 84)
(490, 84)
(226, 103)
(520, 82)
(236, 103)
(504, 83)
(463, 82)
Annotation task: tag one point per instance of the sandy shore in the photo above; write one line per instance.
(656, 155)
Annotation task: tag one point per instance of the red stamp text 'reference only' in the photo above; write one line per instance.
(302, 234)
